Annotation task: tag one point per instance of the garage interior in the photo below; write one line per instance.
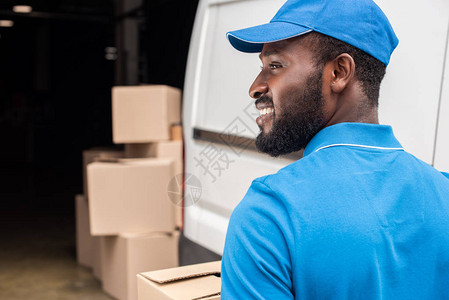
(58, 64)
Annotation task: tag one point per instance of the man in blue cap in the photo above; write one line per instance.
(357, 217)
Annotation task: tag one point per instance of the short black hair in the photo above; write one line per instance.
(368, 70)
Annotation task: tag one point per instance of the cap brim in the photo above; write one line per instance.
(251, 39)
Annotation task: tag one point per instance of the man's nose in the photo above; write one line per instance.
(258, 88)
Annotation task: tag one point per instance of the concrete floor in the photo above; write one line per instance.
(38, 259)
(37, 237)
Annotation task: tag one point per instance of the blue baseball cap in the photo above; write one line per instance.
(360, 23)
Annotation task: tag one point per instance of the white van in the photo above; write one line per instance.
(219, 116)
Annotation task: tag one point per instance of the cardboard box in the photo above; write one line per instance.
(174, 150)
(87, 246)
(142, 150)
(162, 149)
(91, 155)
(190, 282)
(128, 254)
(176, 132)
(97, 262)
(130, 196)
(84, 241)
(143, 114)
(171, 149)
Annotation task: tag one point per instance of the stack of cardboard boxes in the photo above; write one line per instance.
(128, 224)
(88, 246)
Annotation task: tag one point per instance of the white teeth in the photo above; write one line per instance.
(265, 111)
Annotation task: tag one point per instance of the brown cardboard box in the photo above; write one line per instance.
(162, 149)
(130, 196)
(96, 262)
(143, 114)
(128, 254)
(84, 241)
(87, 246)
(176, 132)
(173, 149)
(187, 283)
(142, 150)
(94, 154)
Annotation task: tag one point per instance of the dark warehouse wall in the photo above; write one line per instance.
(165, 40)
(55, 90)
(54, 93)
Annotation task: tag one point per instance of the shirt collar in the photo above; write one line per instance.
(354, 134)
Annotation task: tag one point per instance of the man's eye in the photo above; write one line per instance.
(272, 66)
(275, 66)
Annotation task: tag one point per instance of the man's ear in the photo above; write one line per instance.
(343, 71)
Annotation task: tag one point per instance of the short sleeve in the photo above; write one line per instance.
(256, 260)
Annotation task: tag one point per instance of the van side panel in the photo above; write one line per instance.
(442, 138)
(410, 92)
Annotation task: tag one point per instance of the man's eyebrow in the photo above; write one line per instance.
(268, 53)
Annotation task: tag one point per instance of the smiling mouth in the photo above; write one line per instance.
(265, 115)
(265, 111)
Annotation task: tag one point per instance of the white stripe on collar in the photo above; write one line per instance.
(361, 146)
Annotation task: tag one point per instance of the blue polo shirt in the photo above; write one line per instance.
(356, 218)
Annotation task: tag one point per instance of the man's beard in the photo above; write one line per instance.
(302, 117)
